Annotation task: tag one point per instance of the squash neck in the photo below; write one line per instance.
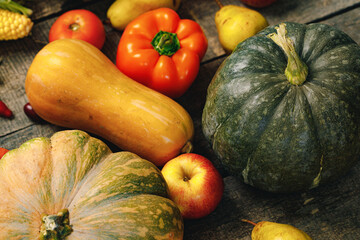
(296, 70)
(55, 227)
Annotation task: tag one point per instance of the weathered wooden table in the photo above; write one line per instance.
(328, 212)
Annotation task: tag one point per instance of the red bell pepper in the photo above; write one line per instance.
(162, 51)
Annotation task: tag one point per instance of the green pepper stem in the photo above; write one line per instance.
(15, 7)
(296, 70)
(55, 227)
(166, 43)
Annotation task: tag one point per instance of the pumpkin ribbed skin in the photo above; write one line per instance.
(108, 195)
(281, 137)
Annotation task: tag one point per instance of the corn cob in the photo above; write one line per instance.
(14, 20)
(14, 25)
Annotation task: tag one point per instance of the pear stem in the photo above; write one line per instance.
(248, 221)
(219, 3)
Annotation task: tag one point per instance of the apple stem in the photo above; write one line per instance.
(185, 179)
(219, 3)
(74, 27)
(248, 221)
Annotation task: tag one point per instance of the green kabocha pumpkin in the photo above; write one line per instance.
(71, 186)
(282, 112)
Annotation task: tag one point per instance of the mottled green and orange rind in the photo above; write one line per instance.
(108, 195)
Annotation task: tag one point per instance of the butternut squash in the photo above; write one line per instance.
(72, 84)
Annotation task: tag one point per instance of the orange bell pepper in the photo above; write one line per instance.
(162, 51)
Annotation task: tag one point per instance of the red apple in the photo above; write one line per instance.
(258, 3)
(195, 185)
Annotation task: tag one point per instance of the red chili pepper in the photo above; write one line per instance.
(5, 111)
(2, 152)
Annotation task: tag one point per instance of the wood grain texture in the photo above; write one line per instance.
(349, 22)
(304, 11)
(331, 212)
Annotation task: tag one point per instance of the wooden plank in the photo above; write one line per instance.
(304, 11)
(15, 139)
(193, 101)
(348, 22)
(45, 9)
(329, 212)
(282, 10)
(13, 70)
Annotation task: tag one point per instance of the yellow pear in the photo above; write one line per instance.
(122, 12)
(235, 24)
(276, 231)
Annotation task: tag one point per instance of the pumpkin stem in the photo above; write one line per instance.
(55, 227)
(296, 70)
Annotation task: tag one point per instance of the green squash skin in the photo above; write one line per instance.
(108, 195)
(281, 137)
